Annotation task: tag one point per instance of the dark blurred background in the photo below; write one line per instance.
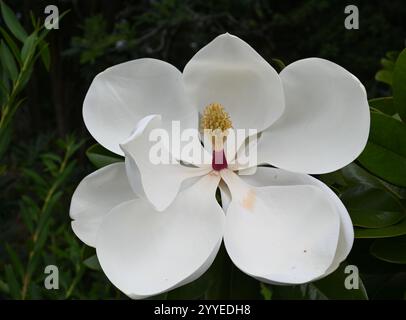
(96, 34)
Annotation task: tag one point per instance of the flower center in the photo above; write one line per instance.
(215, 123)
(215, 117)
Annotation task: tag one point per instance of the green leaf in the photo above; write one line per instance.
(4, 287)
(13, 285)
(399, 85)
(92, 263)
(101, 157)
(384, 76)
(384, 105)
(331, 287)
(385, 153)
(8, 61)
(333, 179)
(374, 218)
(354, 175)
(388, 64)
(395, 230)
(12, 22)
(37, 178)
(12, 45)
(370, 207)
(266, 292)
(390, 250)
(45, 55)
(17, 264)
(28, 50)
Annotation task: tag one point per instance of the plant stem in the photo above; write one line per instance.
(50, 193)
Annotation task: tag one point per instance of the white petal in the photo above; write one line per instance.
(325, 125)
(228, 71)
(95, 196)
(145, 252)
(161, 182)
(122, 95)
(279, 177)
(283, 234)
(246, 156)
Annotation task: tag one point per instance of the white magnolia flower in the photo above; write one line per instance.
(154, 228)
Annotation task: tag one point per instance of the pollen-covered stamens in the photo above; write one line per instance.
(215, 123)
(216, 118)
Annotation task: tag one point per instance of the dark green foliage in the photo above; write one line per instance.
(17, 65)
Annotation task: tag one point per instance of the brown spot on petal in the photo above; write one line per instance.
(249, 200)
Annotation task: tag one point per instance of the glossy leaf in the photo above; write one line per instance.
(370, 207)
(375, 218)
(333, 179)
(101, 157)
(354, 175)
(399, 85)
(395, 230)
(385, 153)
(391, 250)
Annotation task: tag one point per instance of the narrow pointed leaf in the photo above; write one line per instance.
(8, 61)
(12, 22)
(101, 157)
(28, 50)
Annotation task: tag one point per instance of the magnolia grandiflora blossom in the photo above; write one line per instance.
(156, 227)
